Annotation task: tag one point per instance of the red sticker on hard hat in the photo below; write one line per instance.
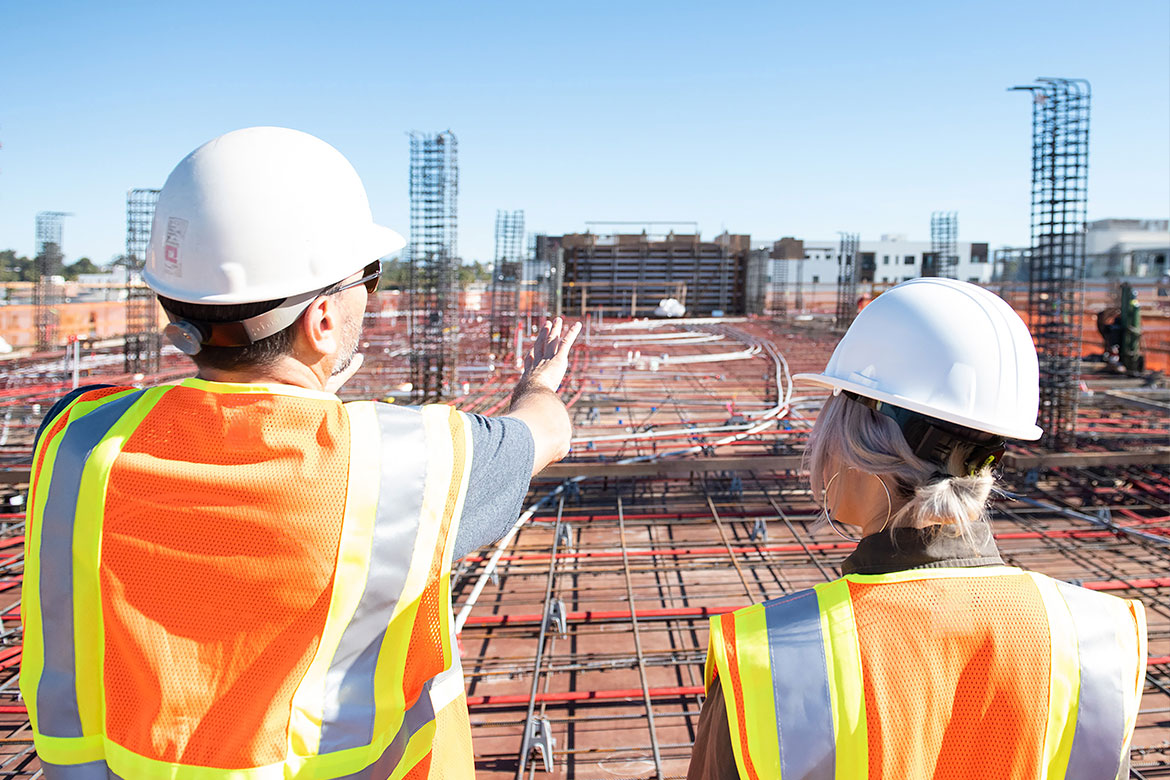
(176, 231)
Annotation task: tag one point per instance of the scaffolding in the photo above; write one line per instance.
(847, 268)
(47, 264)
(143, 340)
(943, 259)
(434, 265)
(506, 273)
(1060, 175)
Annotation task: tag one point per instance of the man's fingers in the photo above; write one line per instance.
(570, 337)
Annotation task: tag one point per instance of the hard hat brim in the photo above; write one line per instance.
(378, 242)
(1030, 433)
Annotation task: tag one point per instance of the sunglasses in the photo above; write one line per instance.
(371, 275)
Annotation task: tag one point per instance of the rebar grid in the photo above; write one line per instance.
(648, 554)
(692, 548)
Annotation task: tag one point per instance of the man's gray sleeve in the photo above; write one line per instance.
(502, 452)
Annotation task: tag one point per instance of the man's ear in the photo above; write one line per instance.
(319, 326)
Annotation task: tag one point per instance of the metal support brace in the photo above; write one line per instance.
(557, 616)
(495, 577)
(1106, 516)
(759, 531)
(565, 536)
(541, 740)
(736, 487)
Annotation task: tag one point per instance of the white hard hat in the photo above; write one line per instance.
(261, 214)
(945, 349)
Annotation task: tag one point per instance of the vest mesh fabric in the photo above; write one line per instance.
(955, 675)
(223, 516)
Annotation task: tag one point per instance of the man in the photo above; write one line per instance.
(240, 576)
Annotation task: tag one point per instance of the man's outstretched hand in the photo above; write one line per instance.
(546, 363)
(535, 398)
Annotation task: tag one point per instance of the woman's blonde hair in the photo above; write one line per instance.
(848, 434)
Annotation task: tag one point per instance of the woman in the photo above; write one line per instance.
(930, 658)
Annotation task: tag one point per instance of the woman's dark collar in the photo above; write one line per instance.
(922, 548)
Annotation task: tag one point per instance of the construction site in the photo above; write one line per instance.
(583, 633)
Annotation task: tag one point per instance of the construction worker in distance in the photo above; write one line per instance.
(930, 658)
(238, 576)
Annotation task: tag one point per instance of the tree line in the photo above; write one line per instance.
(17, 268)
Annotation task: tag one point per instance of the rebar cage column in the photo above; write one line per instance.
(433, 294)
(48, 260)
(944, 248)
(506, 272)
(1060, 175)
(143, 340)
(847, 280)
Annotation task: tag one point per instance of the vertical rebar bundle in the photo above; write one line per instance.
(143, 340)
(847, 280)
(1060, 176)
(506, 274)
(779, 303)
(944, 254)
(798, 297)
(46, 264)
(434, 264)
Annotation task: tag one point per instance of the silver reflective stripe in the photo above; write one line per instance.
(1100, 731)
(418, 716)
(800, 685)
(57, 689)
(94, 770)
(350, 695)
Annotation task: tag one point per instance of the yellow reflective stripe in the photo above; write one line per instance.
(846, 687)
(131, 765)
(69, 750)
(33, 654)
(932, 574)
(89, 634)
(32, 661)
(759, 703)
(711, 666)
(1064, 681)
(460, 432)
(717, 650)
(353, 562)
(440, 462)
(417, 748)
(241, 388)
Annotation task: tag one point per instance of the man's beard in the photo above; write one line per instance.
(351, 336)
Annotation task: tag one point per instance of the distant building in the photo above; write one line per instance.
(628, 274)
(890, 260)
(1127, 248)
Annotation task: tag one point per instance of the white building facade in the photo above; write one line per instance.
(890, 260)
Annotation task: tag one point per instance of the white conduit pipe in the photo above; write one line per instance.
(783, 385)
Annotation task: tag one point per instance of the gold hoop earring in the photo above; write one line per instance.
(829, 518)
(889, 502)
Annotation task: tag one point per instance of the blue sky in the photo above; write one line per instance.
(772, 119)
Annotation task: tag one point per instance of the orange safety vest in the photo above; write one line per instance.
(952, 674)
(244, 582)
